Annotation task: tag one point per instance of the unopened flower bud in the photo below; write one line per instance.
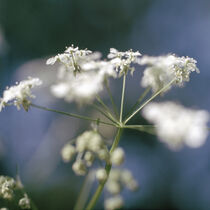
(101, 175)
(113, 203)
(103, 154)
(68, 152)
(117, 157)
(79, 168)
(113, 187)
(89, 158)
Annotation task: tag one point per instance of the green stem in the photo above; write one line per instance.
(143, 95)
(106, 108)
(83, 195)
(108, 167)
(72, 115)
(150, 99)
(105, 114)
(122, 97)
(111, 98)
(145, 128)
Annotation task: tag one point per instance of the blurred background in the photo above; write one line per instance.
(32, 31)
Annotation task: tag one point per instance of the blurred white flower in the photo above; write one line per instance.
(24, 203)
(68, 152)
(79, 167)
(123, 60)
(118, 156)
(7, 187)
(163, 69)
(112, 203)
(101, 175)
(83, 87)
(176, 125)
(19, 94)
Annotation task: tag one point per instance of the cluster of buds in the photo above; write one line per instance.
(117, 181)
(88, 146)
(9, 188)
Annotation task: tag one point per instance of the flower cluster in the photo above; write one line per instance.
(24, 202)
(7, 187)
(123, 60)
(88, 146)
(8, 190)
(88, 82)
(18, 95)
(70, 58)
(176, 125)
(118, 179)
(163, 69)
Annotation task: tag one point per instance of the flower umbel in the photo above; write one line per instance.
(123, 60)
(18, 95)
(163, 69)
(176, 125)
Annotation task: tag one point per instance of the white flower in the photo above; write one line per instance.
(24, 202)
(79, 168)
(123, 60)
(68, 152)
(82, 89)
(7, 187)
(112, 203)
(19, 94)
(89, 158)
(70, 58)
(163, 69)
(176, 125)
(101, 175)
(118, 156)
(113, 187)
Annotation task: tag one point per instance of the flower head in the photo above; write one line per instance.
(123, 60)
(176, 125)
(19, 94)
(163, 69)
(70, 58)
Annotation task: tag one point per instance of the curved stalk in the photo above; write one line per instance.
(108, 167)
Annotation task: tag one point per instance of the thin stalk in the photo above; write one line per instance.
(111, 98)
(102, 112)
(83, 195)
(72, 115)
(108, 167)
(122, 97)
(106, 108)
(150, 99)
(143, 95)
(145, 128)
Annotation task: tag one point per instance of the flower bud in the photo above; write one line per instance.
(117, 157)
(79, 168)
(113, 203)
(101, 175)
(68, 152)
(89, 158)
